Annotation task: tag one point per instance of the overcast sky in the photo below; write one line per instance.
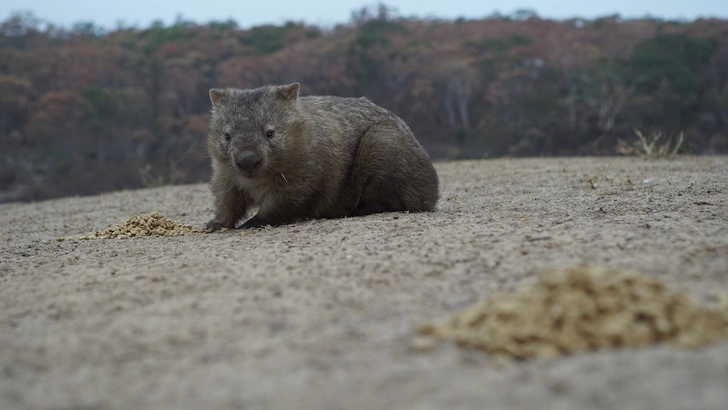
(248, 13)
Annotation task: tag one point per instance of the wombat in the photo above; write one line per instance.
(295, 158)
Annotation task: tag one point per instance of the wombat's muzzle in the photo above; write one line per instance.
(247, 161)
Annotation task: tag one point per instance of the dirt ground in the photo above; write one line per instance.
(321, 314)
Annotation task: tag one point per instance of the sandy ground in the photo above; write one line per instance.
(321, 314)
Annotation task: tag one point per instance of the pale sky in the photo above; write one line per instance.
(249, 13)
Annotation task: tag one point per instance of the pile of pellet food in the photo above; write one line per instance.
(154, 224)
(581, 309)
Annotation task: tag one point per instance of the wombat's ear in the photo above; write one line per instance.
(289, 92)
(216, 96)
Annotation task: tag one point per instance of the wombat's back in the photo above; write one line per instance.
(371, 155)
(348, 115)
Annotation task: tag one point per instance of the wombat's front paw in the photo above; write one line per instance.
(214, 225)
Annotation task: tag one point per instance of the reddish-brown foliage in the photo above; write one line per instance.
(133, 103)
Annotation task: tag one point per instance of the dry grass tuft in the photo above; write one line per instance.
(650, 150)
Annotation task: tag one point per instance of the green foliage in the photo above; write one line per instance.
(498, 45)
(519, 40)
(20, 23)
(104, 104)
(226, 25)
(159, 35)
(498, 16)
(676, 58)
(524, 14)
(670, 70)
(417, 43)
(605, 21)
(367, 40)
(373, 35)
(312, 32)
(87, 28)
(267, 39)
(6, 56)
(382, 26)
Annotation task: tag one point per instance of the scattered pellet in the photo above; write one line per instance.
(583, 309)
(154, 224)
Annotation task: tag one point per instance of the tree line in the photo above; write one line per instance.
(86, 110)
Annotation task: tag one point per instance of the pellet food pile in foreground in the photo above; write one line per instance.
(154, 224)
(583, 308)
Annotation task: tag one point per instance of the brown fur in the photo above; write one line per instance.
(327, 157)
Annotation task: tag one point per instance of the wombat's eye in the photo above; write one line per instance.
(270, 133)
(227, 136)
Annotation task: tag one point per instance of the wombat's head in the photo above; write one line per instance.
(252, 130)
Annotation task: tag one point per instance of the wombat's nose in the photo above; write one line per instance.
(247, 161)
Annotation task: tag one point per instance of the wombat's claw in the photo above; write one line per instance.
(253, 223)
(213, 225)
